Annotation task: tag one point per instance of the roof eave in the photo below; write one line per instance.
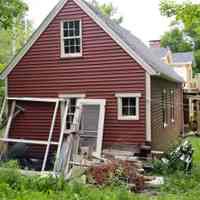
(169, 78)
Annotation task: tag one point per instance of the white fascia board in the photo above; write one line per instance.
(78, 95)
(99, 21)
(128, 95)
(50, 100)
(148, 108)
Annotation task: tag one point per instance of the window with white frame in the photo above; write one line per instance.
(71, 112)
(128, 106)
(71, 38)
(72, 108)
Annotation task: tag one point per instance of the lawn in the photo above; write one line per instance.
(179, 186)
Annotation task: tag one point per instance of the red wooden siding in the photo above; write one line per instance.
(104, 69)
(163, 137)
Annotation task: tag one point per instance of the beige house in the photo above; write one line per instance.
(181, 62)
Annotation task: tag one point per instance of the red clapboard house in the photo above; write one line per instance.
(78, 54)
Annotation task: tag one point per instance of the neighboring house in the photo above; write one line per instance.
(164, 54)
(77, 53)
(183, 64)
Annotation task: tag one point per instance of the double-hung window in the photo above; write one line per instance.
(71, 38)
(128, 106)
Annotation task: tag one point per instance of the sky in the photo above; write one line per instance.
(141, 17)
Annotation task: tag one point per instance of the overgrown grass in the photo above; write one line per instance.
(178, 186)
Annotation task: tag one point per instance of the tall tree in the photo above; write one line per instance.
(185, 16)
(15, 29)
(10, 9)
(108, 9)
(12, 39)
(177, 41)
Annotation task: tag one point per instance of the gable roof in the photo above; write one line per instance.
(130, 43)
(184, 57)
(160, 52)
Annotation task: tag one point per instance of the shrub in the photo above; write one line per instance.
(116, 173)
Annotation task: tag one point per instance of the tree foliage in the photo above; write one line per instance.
(177, 41)
(14, 30)
(16, 36)
(10, 9)
(186, 18)
(108, 9)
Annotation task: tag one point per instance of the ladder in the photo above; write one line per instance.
(68, 143)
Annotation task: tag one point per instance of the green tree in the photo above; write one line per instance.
(12, 39)
(10, 9)
(15, 29)
(186, 17)
(177, 41)
(108, 9)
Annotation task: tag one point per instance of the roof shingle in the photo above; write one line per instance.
(139, 47)
(183, 57)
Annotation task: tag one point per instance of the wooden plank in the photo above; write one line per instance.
(75, 128)
(2, 109)
(68, 155)
(38, 142)
(10, 119)
(50, 100)
(50, 136)
(61, 134)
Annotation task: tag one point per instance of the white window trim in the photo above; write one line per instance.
(119, 105)
(70, 55)
(148, 107)
(66, 96)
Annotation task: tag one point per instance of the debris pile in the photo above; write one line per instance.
(182, 157)
(178, 159)
(115, 172)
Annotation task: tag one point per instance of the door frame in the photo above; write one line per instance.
(102, 104)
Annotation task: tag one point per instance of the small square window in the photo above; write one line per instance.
(128, 106)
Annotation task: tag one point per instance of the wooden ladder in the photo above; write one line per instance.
(68, 142)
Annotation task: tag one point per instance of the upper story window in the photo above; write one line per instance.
(71, 38)
(128, 106)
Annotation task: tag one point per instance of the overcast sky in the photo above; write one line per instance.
(141, 17)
